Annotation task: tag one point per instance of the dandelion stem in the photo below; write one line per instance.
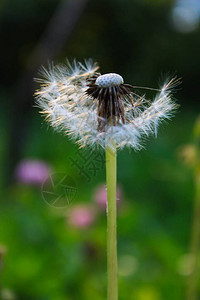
(192, 292)
(194, 243)
(111, 171)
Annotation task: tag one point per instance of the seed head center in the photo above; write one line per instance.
(109, 80)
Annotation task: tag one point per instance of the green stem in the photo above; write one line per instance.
(111, 171)
(194, 243)
(192, 287)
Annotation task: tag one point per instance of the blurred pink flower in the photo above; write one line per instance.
(100, 196)
(32, 172)
(81, 216)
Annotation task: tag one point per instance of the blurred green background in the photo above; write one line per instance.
(56, 250)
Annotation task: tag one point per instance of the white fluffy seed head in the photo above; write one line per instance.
(109, 80)
(63, 99)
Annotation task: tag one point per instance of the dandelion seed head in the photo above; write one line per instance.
(95, 109)
(109, 80)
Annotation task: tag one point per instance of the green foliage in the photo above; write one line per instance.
(48, 259)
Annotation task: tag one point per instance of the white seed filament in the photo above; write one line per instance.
(109, 80)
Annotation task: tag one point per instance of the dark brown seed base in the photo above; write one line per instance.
(110, 109)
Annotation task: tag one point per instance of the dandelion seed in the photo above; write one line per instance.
(95, 109)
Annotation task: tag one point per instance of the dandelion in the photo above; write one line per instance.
(95, 109)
